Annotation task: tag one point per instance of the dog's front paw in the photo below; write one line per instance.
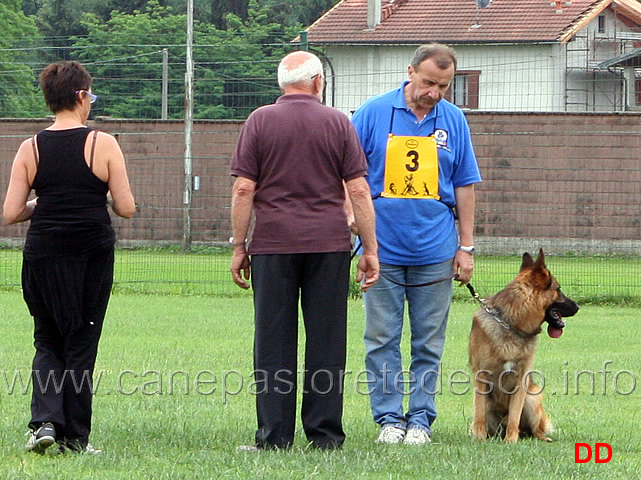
(479, 432)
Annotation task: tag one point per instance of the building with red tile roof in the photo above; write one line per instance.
(517, 55)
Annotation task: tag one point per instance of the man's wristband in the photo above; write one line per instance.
(469, 249)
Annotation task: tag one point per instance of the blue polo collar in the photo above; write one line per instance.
(399, 103)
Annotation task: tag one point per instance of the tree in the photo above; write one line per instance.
(235, 56)
(220, 9)
(260, 44)
(57, 20)
(129, 72)
(300, 13)
(284, 12)
(30, 7)
(214, 11)
(103, 8)
(18, 92)
(235, 68)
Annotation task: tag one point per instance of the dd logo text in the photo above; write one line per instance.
(583, 452)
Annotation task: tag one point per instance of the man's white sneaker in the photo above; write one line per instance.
(41, 439)
(248, 449)
(86, 450)
(90, 450)
(391, 435)
(416, 436)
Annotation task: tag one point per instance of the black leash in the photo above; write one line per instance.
(474, 294)
(410, 285)
(496, 314)
(431, 282)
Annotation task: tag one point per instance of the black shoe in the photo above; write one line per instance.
(41, 439)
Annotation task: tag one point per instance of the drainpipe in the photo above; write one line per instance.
(630, 83)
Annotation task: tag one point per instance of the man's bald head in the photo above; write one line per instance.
(299, 69)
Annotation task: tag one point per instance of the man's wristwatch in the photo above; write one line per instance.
(237, 244)
(469, 249)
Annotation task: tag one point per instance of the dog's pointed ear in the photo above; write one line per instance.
(528, 261)
(540, 260)
(540, 272)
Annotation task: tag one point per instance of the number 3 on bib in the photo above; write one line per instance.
(411, 168)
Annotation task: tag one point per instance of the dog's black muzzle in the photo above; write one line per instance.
(565, 307)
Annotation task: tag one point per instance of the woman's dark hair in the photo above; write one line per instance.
(60, 82)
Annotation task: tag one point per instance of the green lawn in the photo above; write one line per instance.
(174, 400)
(205, 271)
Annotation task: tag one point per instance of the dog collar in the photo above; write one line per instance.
(496, 314)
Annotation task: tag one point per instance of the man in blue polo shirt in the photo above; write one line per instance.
(422, 171)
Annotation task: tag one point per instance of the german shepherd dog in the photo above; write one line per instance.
(502, 346)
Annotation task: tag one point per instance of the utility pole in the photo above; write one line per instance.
(165, 83)
(189, 124)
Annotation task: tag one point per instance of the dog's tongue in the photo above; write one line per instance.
(554, 332)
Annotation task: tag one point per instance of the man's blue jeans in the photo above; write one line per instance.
(384, 312)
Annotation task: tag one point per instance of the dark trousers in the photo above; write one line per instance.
(68, 298)
(321, 281)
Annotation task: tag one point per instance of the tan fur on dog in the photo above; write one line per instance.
(502, 348)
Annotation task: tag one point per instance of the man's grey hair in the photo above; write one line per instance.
(305, 72)
(443, 55)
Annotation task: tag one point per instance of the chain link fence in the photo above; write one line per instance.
(567, 183)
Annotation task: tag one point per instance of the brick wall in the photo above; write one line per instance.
(570, 178)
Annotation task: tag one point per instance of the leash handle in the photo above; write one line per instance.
(472, 291)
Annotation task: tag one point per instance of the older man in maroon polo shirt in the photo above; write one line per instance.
(293, 163)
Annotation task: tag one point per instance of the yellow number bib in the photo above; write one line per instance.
(411, 168)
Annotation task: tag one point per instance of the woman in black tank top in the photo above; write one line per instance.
(67, 269)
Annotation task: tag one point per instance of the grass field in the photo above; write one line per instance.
(173, 401)
(205, 271)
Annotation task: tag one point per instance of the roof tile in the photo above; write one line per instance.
(460, 21)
